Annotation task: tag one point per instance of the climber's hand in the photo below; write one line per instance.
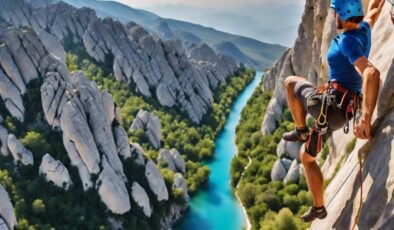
(363, 128)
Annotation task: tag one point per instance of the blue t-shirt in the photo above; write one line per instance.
(345, 49)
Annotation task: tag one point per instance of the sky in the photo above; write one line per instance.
(273, 21)
(211, 3)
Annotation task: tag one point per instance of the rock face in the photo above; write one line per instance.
(158, 68)
(150, 123)
(137, 152)
(156, 181)
(315, 33)
(278, 172)
(55, 172)
(113, 191)
(180, 163)
(289, 149)
(166, 157)
(141, 198)
(7, 214)
(4, 141)
(19, 152)
(180, 183)
(294, 172)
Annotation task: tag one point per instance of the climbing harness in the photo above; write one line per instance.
(328, 99)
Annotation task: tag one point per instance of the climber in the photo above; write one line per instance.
(334, 104)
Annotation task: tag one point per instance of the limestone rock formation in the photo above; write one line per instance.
(122, 142)
(141, 198)
(156, 181)
(294, 173)
(180, 163)
(278, 172)
(158, 68)
(289, 149)
(18, 151)
(150, 123)
(4, 141)
(6, 210)
(112, 190)
(180, 183)
(137, 152)
(55, 172)
(166, 157)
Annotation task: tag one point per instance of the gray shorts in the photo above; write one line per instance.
(311, 102)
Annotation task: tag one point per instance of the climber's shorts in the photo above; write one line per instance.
(312, 103)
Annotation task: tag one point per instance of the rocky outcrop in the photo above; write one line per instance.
(4, 141)
(122, 142)
(180, 183)
(156, 181)
(141, 198)
(157, 68)
(180, 163)
(6, 210)
(294, 172)
(150, 123)
(278, 171)
(289, 149)
(18, 151)
(166, 157)
(315, 33)
(112, 190)
(55, 172)
(137, 153)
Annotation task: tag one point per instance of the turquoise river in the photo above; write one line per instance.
(215, 207)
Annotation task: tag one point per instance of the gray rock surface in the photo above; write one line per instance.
(3, 225)
(180, 183)
(122, 142)
(294, 173)
(150, 123)
(112, 190)
(4, 141)
(286, 163)
(293, 150)
(55, 172)
(156, 181)
(157, 68)
(278, 172)
(18, 151)
(141, 198)
(178, 160)
(281, 148)
(6, 209)
(137, 152)
(76, 130)
(166, 157)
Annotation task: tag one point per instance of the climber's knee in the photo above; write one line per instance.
(290, 83)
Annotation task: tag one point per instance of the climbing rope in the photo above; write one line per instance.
(360, 163)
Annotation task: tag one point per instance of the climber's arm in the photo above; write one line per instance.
(374, 9)
(370, 88)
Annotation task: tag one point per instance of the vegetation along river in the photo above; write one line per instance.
(215, 207)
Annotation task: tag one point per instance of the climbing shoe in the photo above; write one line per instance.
(314, 213)
(297, 135)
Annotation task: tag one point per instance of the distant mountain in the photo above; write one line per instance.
(260, 53)
(230, 49)
(254, 22)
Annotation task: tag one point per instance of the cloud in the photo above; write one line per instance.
(209, 3)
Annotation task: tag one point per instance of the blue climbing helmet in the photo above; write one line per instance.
(348, 8)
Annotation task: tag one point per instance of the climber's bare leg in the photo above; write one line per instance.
(314, 177)
(296, 109)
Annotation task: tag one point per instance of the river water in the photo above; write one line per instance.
(215, 207)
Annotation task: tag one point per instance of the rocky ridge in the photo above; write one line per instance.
(87, 117)
(159, 69)
(307, 59)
